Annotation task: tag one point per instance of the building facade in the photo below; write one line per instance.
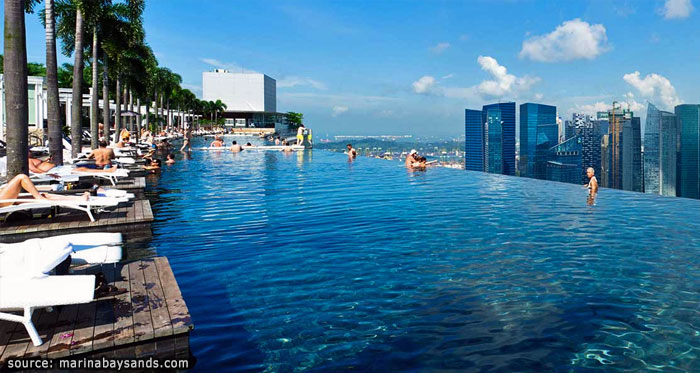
(688, 172)
(631, 155)
(505, 144)
(474, 140)
(660, 148)
(539, 132)
(565, 161)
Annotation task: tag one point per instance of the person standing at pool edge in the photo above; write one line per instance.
(300, 134)
(592, 185)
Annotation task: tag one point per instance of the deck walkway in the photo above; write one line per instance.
(150, 319)
(137, 214)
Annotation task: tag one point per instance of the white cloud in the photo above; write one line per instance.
(448, 76)
(424, 85)
(234, 67)
(294, 81)
(440, 47)
(592, 109)
(572, 40)
(502, 83)
(463, 37)
(677, 9)
(655, 88)
(337, 110)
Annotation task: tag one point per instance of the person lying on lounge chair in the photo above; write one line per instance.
(38, 166)
(103, 156)
(12, 190)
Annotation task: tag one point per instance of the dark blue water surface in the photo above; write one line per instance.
(306, 261)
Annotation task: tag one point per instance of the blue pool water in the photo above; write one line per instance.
(305, 261)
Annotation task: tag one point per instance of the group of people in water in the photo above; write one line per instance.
(235, 147)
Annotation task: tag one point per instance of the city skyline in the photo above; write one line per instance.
(413, 68)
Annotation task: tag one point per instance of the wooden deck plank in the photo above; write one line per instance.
(147, 212)
(156, 300)
(143, 326)
(76, 222)
(45, 326)
(17, 345)
(123, 317)
(179, 314)
(59, 345)
(138, 323)
(84, 323)
(6, 329)
(104, 315)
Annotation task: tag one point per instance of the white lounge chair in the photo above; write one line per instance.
(85, 248)
(25, 285)
(87, 206)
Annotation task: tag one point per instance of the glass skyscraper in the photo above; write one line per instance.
(631, 157)
(506, 112)
(494, 142)
(660, 146)
(589, 131)
(565, 161)
(688, 118)
(538, 134)
(474, 140)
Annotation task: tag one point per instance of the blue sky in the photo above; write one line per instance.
(409, 67)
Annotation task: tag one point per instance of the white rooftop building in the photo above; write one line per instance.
(250, 98)
(240, 91)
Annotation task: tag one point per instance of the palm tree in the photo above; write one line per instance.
(16, 102)
(53, 106)
(76, 129)
(218, 107)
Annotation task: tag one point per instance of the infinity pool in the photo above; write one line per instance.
(306, 261)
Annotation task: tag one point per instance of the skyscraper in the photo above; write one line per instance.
(538, 134)
(506, 143)
(494, 141)
(631, 155)
(688, 118)
(660, 146)
(474, 140)
(565, 161)
(589, 132)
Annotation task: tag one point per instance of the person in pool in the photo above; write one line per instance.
(154, 166)
(411, 159)
(592, 185)
(217, 143)
(170, 159)
(351, 152)
(235, 147)
(286, 148)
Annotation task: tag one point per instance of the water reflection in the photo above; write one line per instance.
(292, 262)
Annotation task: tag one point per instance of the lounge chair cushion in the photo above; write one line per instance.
(32, 262)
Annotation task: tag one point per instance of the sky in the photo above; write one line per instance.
(412, 67)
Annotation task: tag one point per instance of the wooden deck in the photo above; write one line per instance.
(134, 214)
(150, 319)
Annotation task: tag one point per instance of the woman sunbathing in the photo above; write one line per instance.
(12, 190)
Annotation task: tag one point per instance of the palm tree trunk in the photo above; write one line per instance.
(155, 111)
(125, 101)
(148, 112)
(106, 117)
(118, 110)
(132, 119)
(16, 100)
(138, 119)
(95, 112)
(76, 114)
(161, 108)
(168, 122)
(53, 106)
